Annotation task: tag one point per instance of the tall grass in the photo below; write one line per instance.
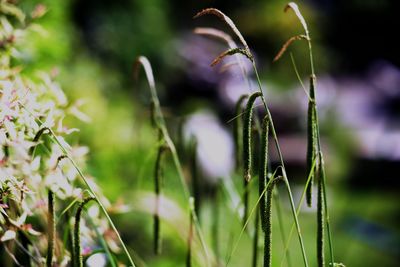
(314, 148)
(245, 121)
(246, 51)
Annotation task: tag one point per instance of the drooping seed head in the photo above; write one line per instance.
(287, 44)
(237, 130)
(293, 6)
(231, 52)
(216, 34)
(247, 136)
(224, 18)
(143, 61)
(312, 140)
(44, 130)
(263, 171)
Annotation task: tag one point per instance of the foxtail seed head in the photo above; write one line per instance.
(287, 44)
(263, 172)
(247, 136)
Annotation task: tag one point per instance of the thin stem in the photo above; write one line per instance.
(190, 235)
(281, 227)
(255, 239)
(104, 243)
(295, 219)
(51, 234)
(320, 225)
(298, 75)
(268, 224)
(195, 177)
(328, 227)
(157, 189)
(245, 225)
(216, 223)
(298, 209)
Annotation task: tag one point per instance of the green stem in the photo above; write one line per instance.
(190, 235)
(157, 189)
(255, 239)
(215, 223)
(195, 177)
(328, 226)
(299, 205)
(320, 225)
(281, 227)
(248, 219)
(268, 224)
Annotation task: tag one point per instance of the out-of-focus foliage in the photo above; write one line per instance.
(33, 114)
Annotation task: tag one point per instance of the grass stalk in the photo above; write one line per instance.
(190, 234)
(320, 225)
(255, 207)
(299, 205)
(77, 232)
(268, 223)
(161, 125)
(157, 190)
(321, 187)
(195, 177)
(216, 223)
(255, 240)
(327, 220)
(51, 232)
(281, 227)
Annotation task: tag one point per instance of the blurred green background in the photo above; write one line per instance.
(92, 46)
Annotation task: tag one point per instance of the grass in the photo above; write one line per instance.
(244, 143)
